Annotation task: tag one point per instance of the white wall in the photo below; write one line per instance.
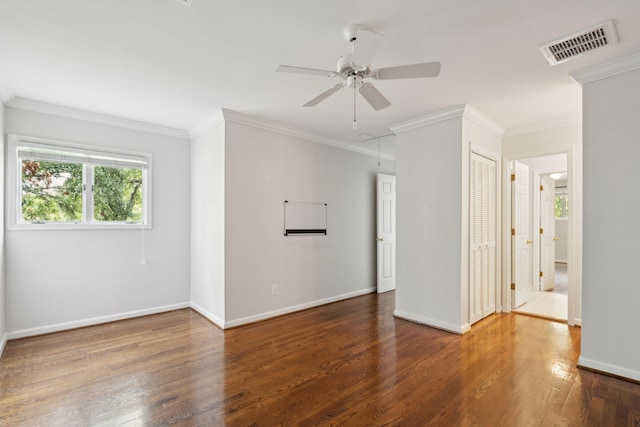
(3, 325)
(610, 333)
(62, 279)
(207, 223)
(565, 139)
(265, 168)
(429, 218)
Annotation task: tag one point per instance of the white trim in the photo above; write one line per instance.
(429, 119)
(483, 121)
(3, 343)
(72, 113)
(608, 69)
(226, 115)
(294, 308)
(608, 368)
(465, 110)
(207, 123)
(94, 321)
(208, 315)
(445, 326)
(543, 126)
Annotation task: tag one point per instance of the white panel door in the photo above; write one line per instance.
(386, 239)
(520, 235)
(547, 232)
(482, 237)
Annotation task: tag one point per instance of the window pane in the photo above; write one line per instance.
(117, 194)
(561, 211)
(51, 191)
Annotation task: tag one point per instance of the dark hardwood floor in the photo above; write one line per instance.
(349, 363)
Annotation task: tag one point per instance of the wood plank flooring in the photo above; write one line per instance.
(348, 363)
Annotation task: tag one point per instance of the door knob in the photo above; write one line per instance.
(556, 238)
(380, 239)
(529, 242)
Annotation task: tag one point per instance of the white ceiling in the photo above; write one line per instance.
(162, 62)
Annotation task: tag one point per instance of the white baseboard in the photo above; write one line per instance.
(208, 315)
(93, 321)
(619, 371)
(445, 326)
(292, 309)
(3, 344)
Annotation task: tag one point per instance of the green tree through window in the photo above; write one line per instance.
(51, 191)
(117, 194)
(74, 186)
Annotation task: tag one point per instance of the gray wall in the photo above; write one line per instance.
(207, 223)
(262, 170)
(429, 221)
(611, 291)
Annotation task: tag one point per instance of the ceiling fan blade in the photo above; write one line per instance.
(365, 46)
(374, 97)
(324, 95)
(413, 71)
(302, 70)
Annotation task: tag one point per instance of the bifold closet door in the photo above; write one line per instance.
(482, 237)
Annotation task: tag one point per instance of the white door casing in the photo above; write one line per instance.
(482, 237)
(547, 232)
(520, 232)
(386, 227)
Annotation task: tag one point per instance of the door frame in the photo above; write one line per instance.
(574, 230)
(464, 282)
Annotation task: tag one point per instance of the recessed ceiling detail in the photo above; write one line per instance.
(185, 2)
(571, 46)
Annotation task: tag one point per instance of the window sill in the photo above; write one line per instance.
(76, 227)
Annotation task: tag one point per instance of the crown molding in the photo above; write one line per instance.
(429, 119)
(608, 69)
(72, 113)
(207, 123)
(243, 119)
(543, 126)
(483, 121)
(466, 111)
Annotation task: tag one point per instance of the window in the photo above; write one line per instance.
(69, 186)
(561, 204)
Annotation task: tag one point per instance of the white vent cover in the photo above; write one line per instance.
(185, 2)
(571, 46)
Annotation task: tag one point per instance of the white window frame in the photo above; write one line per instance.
(14, 187)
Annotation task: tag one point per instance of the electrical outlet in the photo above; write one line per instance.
(274, 289)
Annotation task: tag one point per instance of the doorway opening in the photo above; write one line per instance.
(540, 220)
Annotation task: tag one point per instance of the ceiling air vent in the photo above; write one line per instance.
(571, 46)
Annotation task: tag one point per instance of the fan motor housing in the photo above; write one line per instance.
(351, 32)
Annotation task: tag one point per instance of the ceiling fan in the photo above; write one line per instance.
(355, 67)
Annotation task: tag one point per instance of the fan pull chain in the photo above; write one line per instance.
(378, 151)
(355, 123)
